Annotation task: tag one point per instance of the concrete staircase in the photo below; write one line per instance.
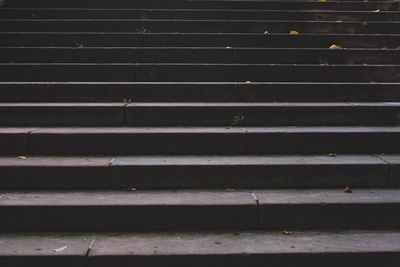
(199, 133)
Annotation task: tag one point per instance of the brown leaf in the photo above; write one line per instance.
(21, 157)
(286, 232)
(332, 154)
(347, 190)
(294, 32)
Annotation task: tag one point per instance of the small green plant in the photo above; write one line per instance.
(238, 120)
(141, 30)
(126, 101)
(80, 45)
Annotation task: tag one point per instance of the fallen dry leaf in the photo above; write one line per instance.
(334, 46)
(347, 190)
(286, 232)
(60, 249)
(332, 154)
(294, 32)
(21, 157)
(248, 82)
(321, 1)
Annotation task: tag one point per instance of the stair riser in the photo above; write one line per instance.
(197, 92)
(200, 217)
(333, 216)
(290, 5)
(195, 177)
(236, 142)
(222, 55)
(134, 217)
(279, 259)
(195, 14)
(182, 26)
(196, 40)
(198, 116)
(192, 72)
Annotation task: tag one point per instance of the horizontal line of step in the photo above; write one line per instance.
(277, 5)
(199, 114)
(198, 172)
(93, 39)
(197, 92)
(199, 210)
(199, 140)
(321, 15)
(147, 72)
(198, 55)
(223, 249)
(197, 26)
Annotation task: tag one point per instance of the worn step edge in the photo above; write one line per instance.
(128, 210)
(197, 172)
(199, 114)
(199, 140)
(104, 39)
(197, 92)
(197, 55)
(356, 248)
(195, 210)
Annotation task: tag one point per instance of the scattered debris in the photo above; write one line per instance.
(126, 101)
(132, 189)
(286, 232)
(334, 46)
(347, 190)
(60, 249)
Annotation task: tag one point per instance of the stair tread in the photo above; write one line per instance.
(205, 104)
(127, 198)
(265, 197)
(198, 160)
(222, 129)
(198, 243)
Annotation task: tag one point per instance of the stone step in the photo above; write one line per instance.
(198, 55)
(199, 72)
(199, 172)
(383, 5)
(200, 210)
(197, 92)
(256, 14)
(199, 114)
(199, 140)
(112, 39)
(222, 249)
(196, 26)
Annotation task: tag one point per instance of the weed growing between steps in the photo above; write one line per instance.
(238, 120)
